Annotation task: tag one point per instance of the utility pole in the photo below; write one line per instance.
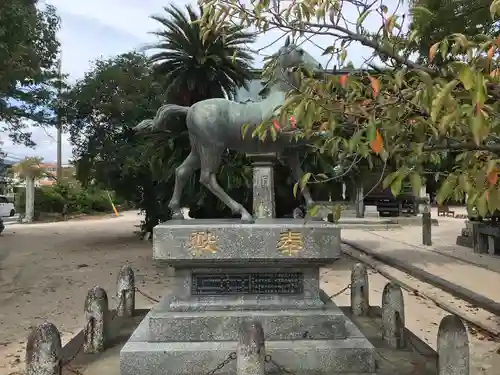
(59, 122)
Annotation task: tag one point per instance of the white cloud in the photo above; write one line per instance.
(92, 29)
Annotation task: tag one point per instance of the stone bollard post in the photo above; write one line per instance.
(453, 347)
(393, 316)
(251, 351)
(43, 351)
(126, 292)
(360, 294)
(426, 226)
(96, 331)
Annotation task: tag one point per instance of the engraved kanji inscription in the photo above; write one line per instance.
(264, 180)
(290, 243)
(200, 242)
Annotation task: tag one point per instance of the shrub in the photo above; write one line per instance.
(51, 199)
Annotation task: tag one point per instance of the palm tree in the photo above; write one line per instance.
(29, 170)
(194, 69)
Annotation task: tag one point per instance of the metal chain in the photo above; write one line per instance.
(231, 357)
(146, 295)
(270, 359)
(340, 292)
(70, 359)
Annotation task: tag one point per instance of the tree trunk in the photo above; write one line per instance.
(30, 199)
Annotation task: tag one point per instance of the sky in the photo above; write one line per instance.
(94, 29)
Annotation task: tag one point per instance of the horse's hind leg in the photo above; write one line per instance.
(293, 161)
(210, 160)
(182, 174)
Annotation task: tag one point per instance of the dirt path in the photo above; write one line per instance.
(47, 269)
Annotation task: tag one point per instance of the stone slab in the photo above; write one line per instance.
(197, 358)
(182, 299)
(223, 326)
(229, 240)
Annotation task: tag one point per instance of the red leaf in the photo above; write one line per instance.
(377, 144)
(490, 53)
(375, 85)
(276, 125)
(343, 80)
(492, 176)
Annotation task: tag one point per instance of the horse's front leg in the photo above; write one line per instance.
(293, 162)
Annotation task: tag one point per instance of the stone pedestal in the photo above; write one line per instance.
(228, 272)
(264, 206)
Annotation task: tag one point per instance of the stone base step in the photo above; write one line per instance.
(464, 241)
(326, 324)
(353, 355)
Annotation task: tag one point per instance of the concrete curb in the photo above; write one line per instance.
(443, 304)
(456, 290)
(72, 349)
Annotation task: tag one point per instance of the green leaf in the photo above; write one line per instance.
(396, 185)
(244, 130)
(426, 78)
(446, 189)
(399, 78)
(493, 200)
(464, 183)
(313, 210)
(328, 50)
(494, 8)
(466, 75)
(445, 122)
(295, 189)
(388, 179)
(443, 47)
(337, 212)
(416, 183)
(362, 17)
(479, 93)
(479, 127)
(304, 180)
(437, 103)
(355, 139)
(482, 205)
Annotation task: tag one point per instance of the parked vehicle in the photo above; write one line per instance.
(6, 207)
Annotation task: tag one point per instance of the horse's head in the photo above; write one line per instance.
(292, 57)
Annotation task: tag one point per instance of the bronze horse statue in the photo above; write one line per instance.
(215, 125)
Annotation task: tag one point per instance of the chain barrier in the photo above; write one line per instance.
(269, 359)
(339, 292)
(146, 295)
(88, 326)
(66, 364)
(231, 357)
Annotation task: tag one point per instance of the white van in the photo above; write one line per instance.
(6, 207)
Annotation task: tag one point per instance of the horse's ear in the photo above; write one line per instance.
(287, 41)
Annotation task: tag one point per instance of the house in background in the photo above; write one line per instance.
(6, 183)
(49, 178)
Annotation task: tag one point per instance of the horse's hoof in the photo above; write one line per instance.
(247, 219)
(177, 216)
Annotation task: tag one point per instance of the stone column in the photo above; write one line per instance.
(264, 206)
(359, 202)
(30, 199)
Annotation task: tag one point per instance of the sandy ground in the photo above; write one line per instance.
(47, 269)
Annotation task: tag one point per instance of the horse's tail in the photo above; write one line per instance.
(167, 117)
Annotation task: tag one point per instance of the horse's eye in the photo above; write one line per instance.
(301, 52)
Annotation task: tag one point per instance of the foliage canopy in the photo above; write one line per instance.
(411, 113)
